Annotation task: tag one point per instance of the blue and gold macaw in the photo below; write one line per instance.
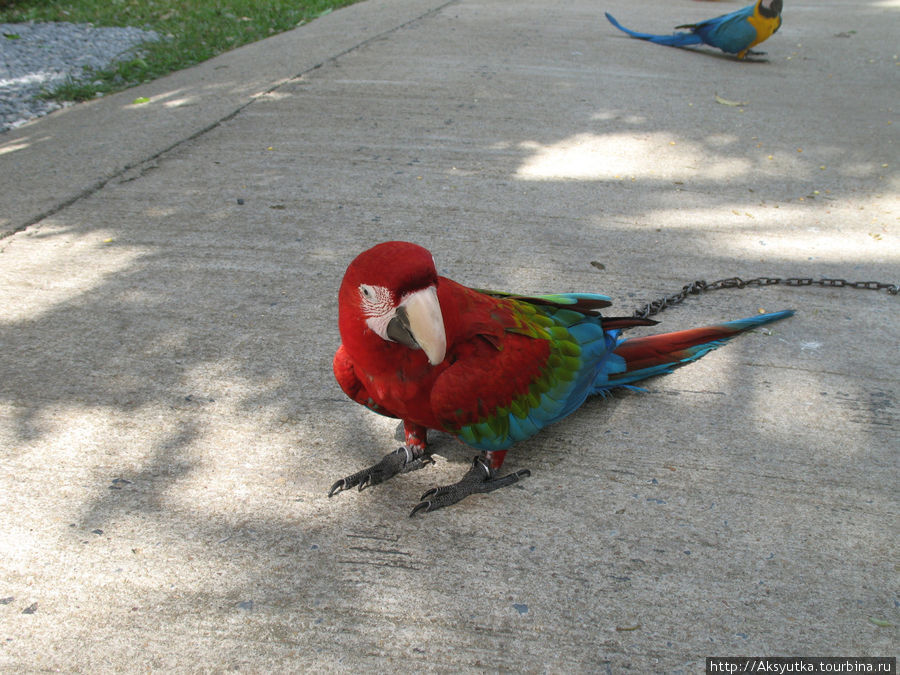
(734, 33)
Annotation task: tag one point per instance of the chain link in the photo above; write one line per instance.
(697, 287)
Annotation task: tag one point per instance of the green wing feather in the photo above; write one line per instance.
(585, 303)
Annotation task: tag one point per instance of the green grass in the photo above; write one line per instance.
(192, 30)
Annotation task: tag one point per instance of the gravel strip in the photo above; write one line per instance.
(35, 57)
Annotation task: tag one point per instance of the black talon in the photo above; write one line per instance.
(421, 506)
(402, 460)
(480, 478)
(337, 487)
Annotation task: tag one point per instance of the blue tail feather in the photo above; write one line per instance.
(674, 40)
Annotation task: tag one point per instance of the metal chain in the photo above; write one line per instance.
(697, 287)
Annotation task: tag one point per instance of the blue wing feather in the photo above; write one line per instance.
(731, 33)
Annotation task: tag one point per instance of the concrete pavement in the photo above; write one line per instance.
(169, 425)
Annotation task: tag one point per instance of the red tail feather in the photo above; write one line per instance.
(656, 350)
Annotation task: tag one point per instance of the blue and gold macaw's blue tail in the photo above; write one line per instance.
(674, 40)
(659, 354)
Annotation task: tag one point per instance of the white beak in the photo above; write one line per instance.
(419, 324)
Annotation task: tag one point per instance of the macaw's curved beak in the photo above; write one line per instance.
(419, 324)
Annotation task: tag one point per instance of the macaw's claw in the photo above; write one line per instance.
(402, 460)
(480, 478)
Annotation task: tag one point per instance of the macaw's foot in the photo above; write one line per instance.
(480, 478)
(402, 460)
(753, 56)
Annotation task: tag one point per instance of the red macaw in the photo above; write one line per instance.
(490, 368)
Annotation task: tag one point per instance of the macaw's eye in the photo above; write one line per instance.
(375, 300)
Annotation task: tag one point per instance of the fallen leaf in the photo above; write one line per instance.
(725, 101)
(881, 623)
